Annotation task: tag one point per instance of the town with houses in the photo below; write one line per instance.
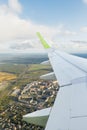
(34, 96)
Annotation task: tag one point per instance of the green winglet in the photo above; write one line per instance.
(44, 43)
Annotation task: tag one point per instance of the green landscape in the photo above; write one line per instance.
(15, 77)
(24, 74)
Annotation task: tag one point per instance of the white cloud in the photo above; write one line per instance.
(68, 32)
(15, 5)
(83, 29)
(85, 1)
(14, 28)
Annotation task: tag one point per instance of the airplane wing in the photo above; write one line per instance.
(70, 108)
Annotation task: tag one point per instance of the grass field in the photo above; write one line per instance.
(36, 70)
(6, 76)
(12, 68)
(22, 73)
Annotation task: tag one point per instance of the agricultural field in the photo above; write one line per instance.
(6, 76)
(36, 70)
(19, 75)
(12, 68)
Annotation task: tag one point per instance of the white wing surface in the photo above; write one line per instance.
(70, 108)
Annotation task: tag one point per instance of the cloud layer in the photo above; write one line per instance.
(13, 28)
(14, 5)
(84, 29)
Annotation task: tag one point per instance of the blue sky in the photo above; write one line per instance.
(58, 20)
(54, 12)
